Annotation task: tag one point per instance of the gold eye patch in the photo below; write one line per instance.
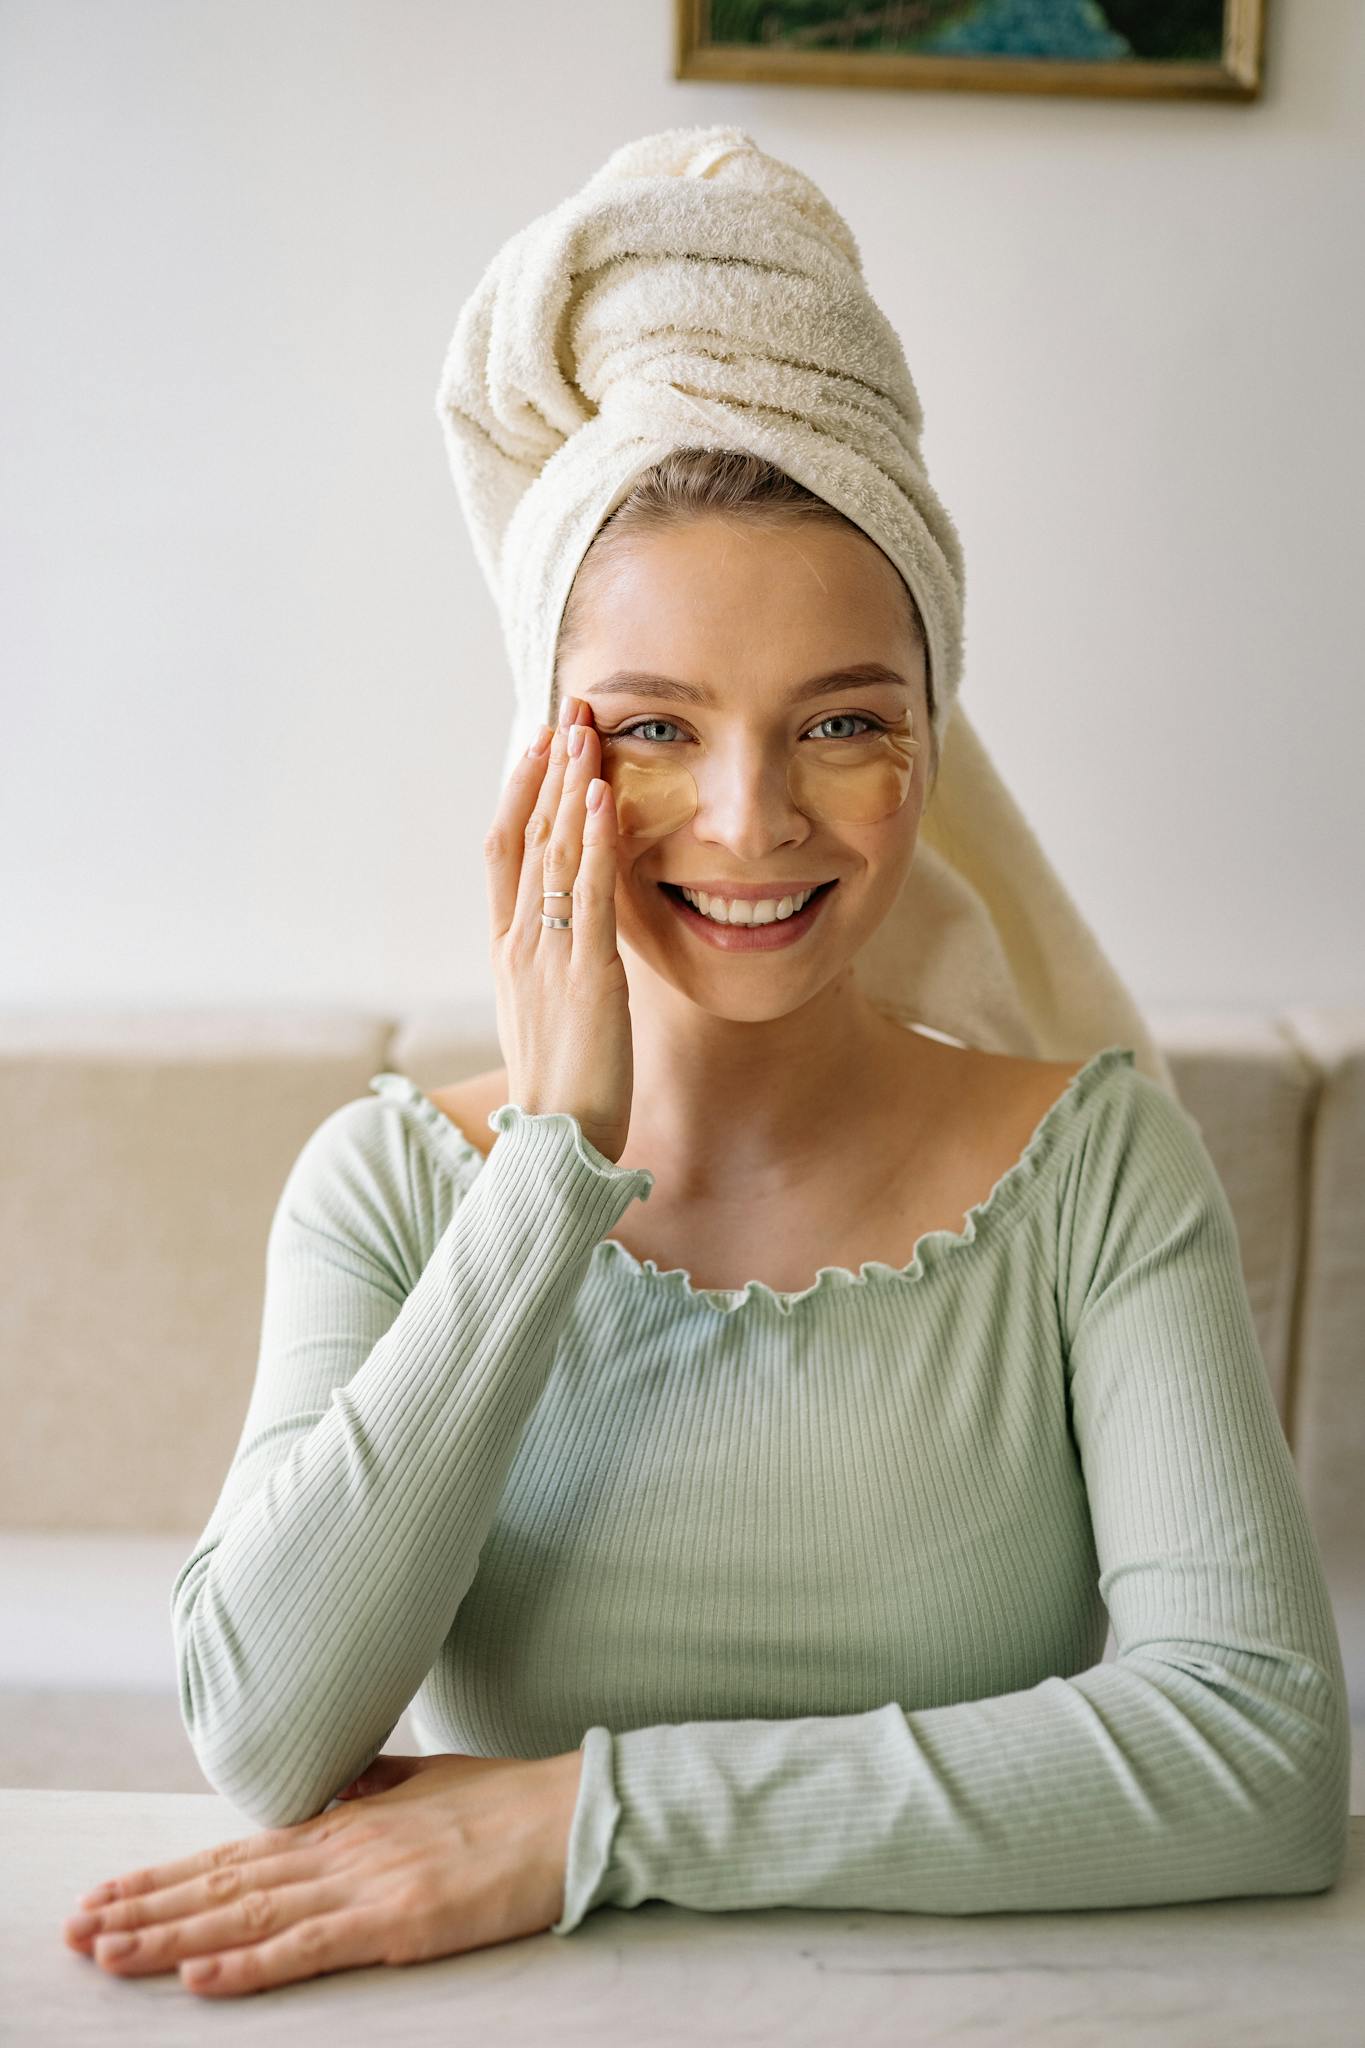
(843, 782)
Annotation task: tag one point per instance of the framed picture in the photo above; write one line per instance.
(1153, 49)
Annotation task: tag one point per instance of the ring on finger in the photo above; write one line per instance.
(558, 924)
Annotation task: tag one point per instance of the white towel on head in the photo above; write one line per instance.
(699, 293)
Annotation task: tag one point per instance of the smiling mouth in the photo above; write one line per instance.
(822, 889)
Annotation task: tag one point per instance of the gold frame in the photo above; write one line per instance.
(1238, 76)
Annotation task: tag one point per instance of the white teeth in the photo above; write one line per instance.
(732, 910)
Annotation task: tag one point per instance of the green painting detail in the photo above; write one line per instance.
(1067, 31)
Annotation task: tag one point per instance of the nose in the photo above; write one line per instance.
(745, 806)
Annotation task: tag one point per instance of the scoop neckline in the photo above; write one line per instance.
(931, 1248)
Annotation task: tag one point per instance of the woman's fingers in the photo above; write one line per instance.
(522, 824)
(564, 851)
(310, 1948)
(566, 1037)
(223, 1888)
(504, 843)
(134, 1884)
(594, 906)
(535, 876)
(161, 1940)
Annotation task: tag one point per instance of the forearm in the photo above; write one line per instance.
(1106, 1789)
(319, 1597)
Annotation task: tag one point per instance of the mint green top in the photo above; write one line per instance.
(819, 1582)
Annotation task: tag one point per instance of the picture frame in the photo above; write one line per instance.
(1143, 49)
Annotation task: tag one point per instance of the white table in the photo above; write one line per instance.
(1258, 1973)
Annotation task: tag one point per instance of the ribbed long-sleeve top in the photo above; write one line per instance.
(819, 1582)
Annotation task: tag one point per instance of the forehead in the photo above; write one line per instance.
(713, 598)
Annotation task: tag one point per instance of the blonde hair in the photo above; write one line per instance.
(688, 483)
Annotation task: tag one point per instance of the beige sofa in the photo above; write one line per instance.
(142, 1159)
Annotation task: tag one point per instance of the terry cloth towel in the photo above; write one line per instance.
(699, 293)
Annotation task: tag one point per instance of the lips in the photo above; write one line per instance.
(748, 938)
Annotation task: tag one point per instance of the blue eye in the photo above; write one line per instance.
(629, 731)
(854, 717)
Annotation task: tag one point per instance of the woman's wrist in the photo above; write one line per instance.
(563, 1775)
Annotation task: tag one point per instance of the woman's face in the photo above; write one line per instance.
(711, 655)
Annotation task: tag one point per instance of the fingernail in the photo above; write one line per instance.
(541, 740)
(567, 710)
(118, 1944)
(82, 1924)
(577, 733)
(202, 1972)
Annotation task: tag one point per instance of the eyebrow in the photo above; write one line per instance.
(631, 682)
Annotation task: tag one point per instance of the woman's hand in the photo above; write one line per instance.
(428, 1856)
(562, 997)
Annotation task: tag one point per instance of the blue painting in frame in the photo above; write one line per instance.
(1128, 48)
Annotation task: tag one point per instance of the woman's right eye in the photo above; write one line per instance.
(631, 731)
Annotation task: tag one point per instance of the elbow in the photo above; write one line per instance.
(1308, 1843)
(247, 1757)
(256, 1769)
(1318, 1833)
(266, 1802)
(1283, 1762)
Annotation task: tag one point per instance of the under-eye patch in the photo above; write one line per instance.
(847, 782)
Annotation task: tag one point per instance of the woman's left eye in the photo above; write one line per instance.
(852, 718)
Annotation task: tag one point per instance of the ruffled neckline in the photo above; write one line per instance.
(983, 1220)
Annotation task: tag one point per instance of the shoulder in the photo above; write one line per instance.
(1139, 1196)
(363, 1180)
(1131, 1150)
(990, 1104)
(1143, 1195)
(1127, 1124)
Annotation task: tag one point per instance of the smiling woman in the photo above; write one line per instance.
(763, 1555)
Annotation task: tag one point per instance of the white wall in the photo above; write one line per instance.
(254, 687)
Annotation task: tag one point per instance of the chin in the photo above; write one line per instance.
(771, 993)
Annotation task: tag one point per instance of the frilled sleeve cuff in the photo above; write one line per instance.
(538, 1135)
(591, 1832)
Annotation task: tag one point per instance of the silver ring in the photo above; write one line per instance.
(556, 924)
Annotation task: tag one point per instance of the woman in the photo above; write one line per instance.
(757, 1546)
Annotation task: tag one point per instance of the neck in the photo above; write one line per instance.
(731, 1104)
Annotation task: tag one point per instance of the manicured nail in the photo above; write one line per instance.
(577, 735)
(541, 740)
(597, 789)
(567, 710)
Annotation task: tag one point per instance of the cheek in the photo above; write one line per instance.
(852, 784)
(652, 797)
(839, 782)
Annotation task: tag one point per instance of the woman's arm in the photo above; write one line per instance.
(387, 1410)
(1210, 1760)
